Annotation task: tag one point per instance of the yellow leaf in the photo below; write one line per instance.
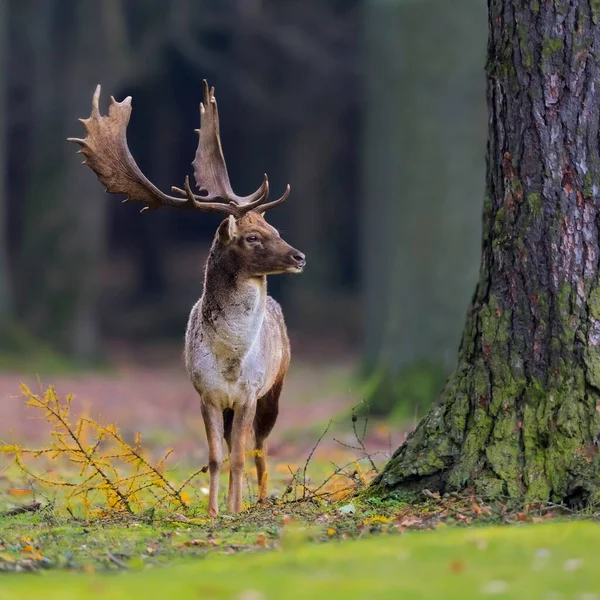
(10, 449)
(6, 558)
(331, 532)
(19, 492)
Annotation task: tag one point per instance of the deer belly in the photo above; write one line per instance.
(228, 383)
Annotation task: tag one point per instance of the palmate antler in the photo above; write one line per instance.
(107, 154)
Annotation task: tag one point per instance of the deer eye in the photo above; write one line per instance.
(252, 238)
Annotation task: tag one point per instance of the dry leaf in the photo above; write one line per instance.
(19, 492)
(195, 542)
(457, 566)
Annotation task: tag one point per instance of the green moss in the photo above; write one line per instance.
(594, 303)
(563, 315)
(534, 200)
(587, 181)
(488, 486)
(595, 6)
(517, 187)
(494, 322)
(500, 220)
(526, 53)
(535, 7)
(551, 46)
(535, 434)
(451, 563)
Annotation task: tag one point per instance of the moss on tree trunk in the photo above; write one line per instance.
(519, 417)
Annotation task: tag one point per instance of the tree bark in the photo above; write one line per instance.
(519, 417)
(424, 174)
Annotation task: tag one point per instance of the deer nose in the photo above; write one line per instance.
(298, 257)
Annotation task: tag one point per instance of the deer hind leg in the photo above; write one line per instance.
(267, 410)
(213, 423)
(240, 429)
(227, 425)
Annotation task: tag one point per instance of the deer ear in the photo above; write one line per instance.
(228, 230)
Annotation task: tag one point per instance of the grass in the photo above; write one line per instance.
(553, 560)
(337, 546)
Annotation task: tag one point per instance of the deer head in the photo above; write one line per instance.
(244, 236)
(255, 248)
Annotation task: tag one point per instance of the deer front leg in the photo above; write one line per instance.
(242, 424)
(213, 423)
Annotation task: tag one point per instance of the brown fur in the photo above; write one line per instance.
(237, 348)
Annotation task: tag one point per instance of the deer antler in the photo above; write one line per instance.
(107, 154)
(210, 170)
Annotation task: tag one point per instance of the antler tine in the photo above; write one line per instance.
(192, 201)
(210, 170)
(107, 154)
(269, 205)
(252, 205)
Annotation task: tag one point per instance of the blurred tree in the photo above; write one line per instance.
(5, 283)
(290, 71)
(74, 46)
(285, 72)
(424, 135)
(519, 416)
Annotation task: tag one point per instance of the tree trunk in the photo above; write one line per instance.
(5, 287)
(519, 417)
(424, 138)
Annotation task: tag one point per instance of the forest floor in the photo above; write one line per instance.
(317, 537)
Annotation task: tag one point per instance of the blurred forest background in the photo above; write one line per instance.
(374, 112)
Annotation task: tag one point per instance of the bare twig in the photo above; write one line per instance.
(116, 561)
(311, 455)
(19, 510)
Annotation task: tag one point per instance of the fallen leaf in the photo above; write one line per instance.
(462, 518)
(19, 492)
(188, 543)
(457, 566)
(409, 521)
(261, 541)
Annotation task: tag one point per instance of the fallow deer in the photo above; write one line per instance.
(237, 350)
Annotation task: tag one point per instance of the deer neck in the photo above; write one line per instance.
(232, 308)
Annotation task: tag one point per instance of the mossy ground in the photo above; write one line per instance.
(339, 545)
(557, 560)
